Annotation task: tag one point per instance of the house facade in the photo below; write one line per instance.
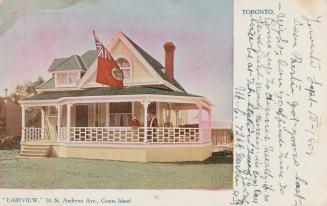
(10, 117)
(81, 118)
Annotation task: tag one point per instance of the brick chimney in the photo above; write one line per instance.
(169, 60)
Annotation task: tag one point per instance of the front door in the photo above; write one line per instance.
(82, 115)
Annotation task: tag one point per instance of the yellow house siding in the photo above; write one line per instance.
(91, 115)
(139, 72)
(173, 118)
(162, 116)
(139, 112)
(185, 117)
(102, 114)
(139, 154)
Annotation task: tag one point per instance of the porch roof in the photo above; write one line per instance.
(107, 91)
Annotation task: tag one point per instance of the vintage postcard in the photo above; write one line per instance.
(279, 116)
(177, 102)
(114, 95)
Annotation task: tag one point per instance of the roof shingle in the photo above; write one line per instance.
(48, 84)
(89, 57)
(74, 62)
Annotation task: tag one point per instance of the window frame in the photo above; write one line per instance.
(113, 113)
(130, 68)
(68, 73)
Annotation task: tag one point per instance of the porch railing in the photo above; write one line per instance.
(164, 135)
(34, 134)
(150, 135)
(104, 134)
(62, 136)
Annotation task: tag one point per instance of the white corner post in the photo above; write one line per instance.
(209, 118)
(169, 113)
(23, 123)
(58, 120)
(145, 124)
(209, 124)
(42, 123)
(107, 114)
(158, 112)
(69, 106)
(200, 124)
(133, 109)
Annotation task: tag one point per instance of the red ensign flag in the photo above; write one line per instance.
(108, 71)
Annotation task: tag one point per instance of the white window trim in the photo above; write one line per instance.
(130, 66)
(67, 85)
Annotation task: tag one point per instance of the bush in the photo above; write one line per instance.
(10, 142)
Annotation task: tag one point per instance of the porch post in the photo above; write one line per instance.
(23, 123)
(69, 105)
(107, 114)
(145, 106)
(58, 120)
(209, 124)
(158, 112)
(42, 123)
(133, 109)
(169, 114)
(210, 118)
(200, 123)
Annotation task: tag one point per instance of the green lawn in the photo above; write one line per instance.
(57, 173)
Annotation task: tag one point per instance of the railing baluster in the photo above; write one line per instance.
(127, 135)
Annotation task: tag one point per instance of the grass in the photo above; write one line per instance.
(60, 173)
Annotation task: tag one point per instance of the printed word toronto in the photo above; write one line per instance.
(257, 11)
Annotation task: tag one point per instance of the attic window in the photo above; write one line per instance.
(125, 66)
(67, 79)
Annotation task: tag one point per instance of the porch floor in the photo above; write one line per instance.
(60, 173)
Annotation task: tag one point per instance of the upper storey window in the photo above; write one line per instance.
(67, 79)
(125, 66)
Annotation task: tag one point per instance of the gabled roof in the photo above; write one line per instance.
(56, 63)
(73, 62)
(107, 91)
(89, 57)
(83, 62)
(157, 66)
(48, 84)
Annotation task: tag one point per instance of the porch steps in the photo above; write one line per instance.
(35, 151)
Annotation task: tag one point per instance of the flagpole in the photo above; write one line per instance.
(105, 54)
(95, 36)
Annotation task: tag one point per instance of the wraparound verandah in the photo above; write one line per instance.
(173, 125)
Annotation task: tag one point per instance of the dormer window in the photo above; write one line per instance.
(67, 79)
(125, 66)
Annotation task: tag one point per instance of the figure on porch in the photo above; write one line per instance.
(154, 121)
(135, 122)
